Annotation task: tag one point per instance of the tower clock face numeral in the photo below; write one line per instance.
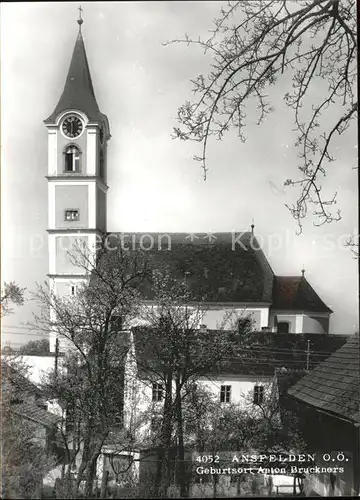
(72, 126)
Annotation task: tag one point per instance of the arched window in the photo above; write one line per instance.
(72, 159)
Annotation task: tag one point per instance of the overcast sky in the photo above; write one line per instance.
(154, 183)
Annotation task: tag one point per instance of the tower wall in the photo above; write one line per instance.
(76, 178)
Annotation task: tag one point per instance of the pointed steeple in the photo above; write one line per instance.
(78, 93)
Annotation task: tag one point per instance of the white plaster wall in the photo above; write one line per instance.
(52, 150)
(218, 316)
(91, 152)
(242, 388)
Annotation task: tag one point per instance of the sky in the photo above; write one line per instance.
(155, 185)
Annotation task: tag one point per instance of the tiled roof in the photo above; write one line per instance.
(78, 92)
(217, 269)
(296, 293)
(26, 392)
(18, 381)
(262, 353)
(334, 385)
(29, 409)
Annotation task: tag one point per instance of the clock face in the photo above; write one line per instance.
(72, 126)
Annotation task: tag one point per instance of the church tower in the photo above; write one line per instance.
(77, 143)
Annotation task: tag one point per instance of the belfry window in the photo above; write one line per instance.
(72, 159)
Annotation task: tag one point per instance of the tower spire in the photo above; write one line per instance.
(78, 91)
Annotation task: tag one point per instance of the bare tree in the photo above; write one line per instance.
(252, 44)
(174, 352)
(89, 381)
(24, 457)
(240, 428)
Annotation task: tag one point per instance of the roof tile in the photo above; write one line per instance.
(334, 386)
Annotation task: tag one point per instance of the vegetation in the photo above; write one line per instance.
(253, 46)
(11, 294)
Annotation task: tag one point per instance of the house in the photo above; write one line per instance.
(247, 381)
(240, 380)
(328, 401)
(24, 402)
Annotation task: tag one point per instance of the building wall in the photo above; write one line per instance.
(65, 246)
(242, 386)
(216, 316)
(301, 322)
(142, 407)
(315, 324)
(100, 209)
(71, 197)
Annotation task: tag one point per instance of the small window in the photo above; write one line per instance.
(73, 289)
(157, 392)
(258, 394)
(225, 394)
(72, 159)
(72, 215)
(283, 327)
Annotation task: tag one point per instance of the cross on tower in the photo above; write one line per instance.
(80, 20)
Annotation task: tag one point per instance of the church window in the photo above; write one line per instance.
(258, 394)
(72, 159)
(225, 393)
(72, 215)
(157, 392)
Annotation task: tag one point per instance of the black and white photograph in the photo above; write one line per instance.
(179, 249)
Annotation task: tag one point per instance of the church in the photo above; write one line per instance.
(230, 270)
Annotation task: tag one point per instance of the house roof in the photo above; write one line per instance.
(23, 389)
(334, 385)
(18, 381)
(217, 268)
(78, 91)
(296, 293)
(30, 410)
(260, 355)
